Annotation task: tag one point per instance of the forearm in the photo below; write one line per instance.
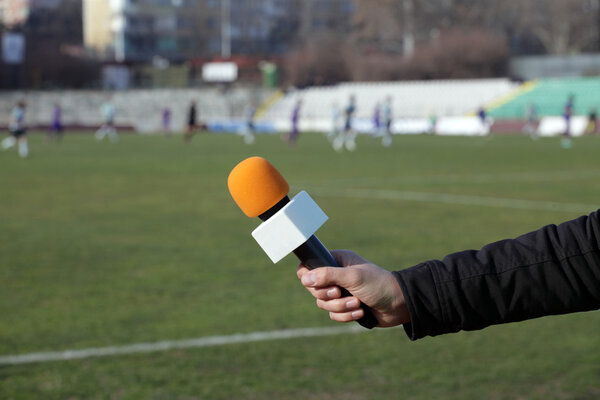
(553, 270)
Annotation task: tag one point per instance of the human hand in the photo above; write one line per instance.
(368, 283)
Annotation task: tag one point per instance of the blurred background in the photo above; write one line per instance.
(164, 43)
(421, 127)
(265, 53)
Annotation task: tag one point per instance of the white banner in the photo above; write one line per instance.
(555, 126)
(220, 72)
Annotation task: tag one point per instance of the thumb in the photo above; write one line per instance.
(348, 278)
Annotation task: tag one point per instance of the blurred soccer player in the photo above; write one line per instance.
(56, 128)
(166, 120)
(387, 122)
(433, 123)
(567, 114)
(250, 128)
(485, 122)
(531, 116)
(108, 128)
(335, 122)
(295, 133)
(376, 121)
(191, 122)
(592, 127)
(348, 138)
(18, 131)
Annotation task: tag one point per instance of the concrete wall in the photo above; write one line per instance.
(140, 109)
(535, 67)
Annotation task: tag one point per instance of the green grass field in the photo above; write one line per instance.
(111, 244)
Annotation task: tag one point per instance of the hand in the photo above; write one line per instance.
(368, 283)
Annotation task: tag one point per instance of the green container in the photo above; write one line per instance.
(270, 74)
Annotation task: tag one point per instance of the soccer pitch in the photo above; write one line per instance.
(107, 244)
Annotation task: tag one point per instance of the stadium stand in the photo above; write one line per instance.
(453, 103)
(550, 96)
(139, 110)
(410, 99)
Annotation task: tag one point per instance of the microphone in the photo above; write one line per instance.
(289, 225)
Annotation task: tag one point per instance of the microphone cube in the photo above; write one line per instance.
(289, 227)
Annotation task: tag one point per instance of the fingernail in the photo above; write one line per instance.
(309, 279)
(331, 293)
(352, 304)
(357, 314)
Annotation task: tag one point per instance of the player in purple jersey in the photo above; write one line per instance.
(386, 141)
(567, 114)
(166, 121)
(56, 128)
(376, 121)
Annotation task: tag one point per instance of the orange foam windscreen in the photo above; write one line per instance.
(256, 186)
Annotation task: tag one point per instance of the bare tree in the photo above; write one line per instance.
(561, 26)
(376, 25)
(319, 61)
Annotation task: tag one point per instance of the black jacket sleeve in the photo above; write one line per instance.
(554, 270)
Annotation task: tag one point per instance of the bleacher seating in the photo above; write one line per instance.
(139, 109)
(550, 96)
(409, 99)
(413, 103)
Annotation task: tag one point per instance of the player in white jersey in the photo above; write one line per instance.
(347, 138)
(249, 129)
(336, 118)
(18, 131)
(108, 127)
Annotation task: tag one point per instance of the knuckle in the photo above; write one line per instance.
(356, 276)
(333, 292)
(336, 306)
(323, 275)
(324, 294)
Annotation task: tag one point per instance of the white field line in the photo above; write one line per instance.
(447, 198)
(208, 341)
(534, 177)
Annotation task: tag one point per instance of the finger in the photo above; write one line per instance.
(331, 276)
(347, 316)
(345, 304)
(325, 293)
(347, 257)
(301, 270)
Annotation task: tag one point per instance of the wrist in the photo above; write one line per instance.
(399, 304)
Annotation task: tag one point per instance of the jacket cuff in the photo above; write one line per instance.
(424, 302)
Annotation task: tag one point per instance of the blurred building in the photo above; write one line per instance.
(16, 12)
(272, 27)
(176, 30)
(138, 30)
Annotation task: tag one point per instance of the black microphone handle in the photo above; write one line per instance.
(313, 255)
